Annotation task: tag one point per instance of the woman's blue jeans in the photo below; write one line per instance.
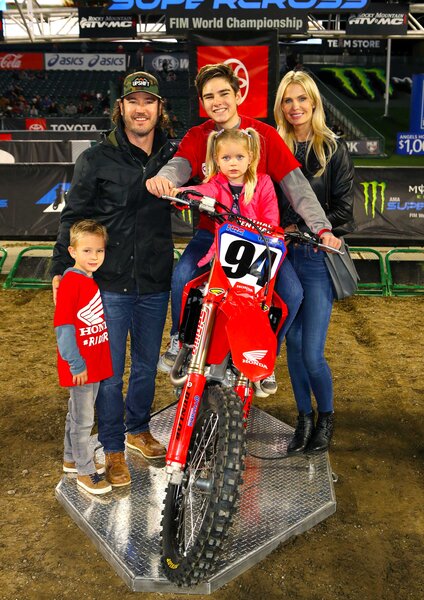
(305, 340)
(287, 285)
(143, 317)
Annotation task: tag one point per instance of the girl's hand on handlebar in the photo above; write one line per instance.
(331, 240)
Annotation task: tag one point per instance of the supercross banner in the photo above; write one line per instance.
(33, 196)
(254, 59)
(389, 205)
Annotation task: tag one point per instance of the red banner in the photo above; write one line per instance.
(39, 124)
(21, 61)
(250, 64)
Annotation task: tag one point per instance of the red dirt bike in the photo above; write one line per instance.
(229, 321)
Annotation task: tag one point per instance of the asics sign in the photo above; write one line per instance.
(308, 5)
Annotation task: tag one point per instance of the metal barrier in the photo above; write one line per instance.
(373, 279)
(30, 272)
(3, 256)
(405, 277)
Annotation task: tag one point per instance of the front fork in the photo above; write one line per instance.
(188, 404)
(244, 390)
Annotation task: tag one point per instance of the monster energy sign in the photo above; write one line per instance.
(388, 205)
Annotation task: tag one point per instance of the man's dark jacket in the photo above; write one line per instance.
(108, 186)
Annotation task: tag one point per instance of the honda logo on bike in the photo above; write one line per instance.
(254, 356)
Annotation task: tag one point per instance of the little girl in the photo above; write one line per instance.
(232, 158)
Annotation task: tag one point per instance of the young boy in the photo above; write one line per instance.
(83, 350)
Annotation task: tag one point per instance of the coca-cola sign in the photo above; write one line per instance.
(21, 61)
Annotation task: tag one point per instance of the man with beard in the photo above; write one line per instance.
(109, 186)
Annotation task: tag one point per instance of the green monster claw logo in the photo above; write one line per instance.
(371, 193)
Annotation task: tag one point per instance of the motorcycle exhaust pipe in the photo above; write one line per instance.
(176, 379)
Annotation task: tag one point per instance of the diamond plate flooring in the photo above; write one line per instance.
(280, 497)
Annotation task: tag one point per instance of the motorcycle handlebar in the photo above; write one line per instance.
(207, 204)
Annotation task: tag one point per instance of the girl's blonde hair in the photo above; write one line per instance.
(323, 140)
(249, 138)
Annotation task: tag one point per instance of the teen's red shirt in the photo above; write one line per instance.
(276, 160)
(79, 303)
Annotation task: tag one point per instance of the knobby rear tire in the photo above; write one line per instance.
(198, 513)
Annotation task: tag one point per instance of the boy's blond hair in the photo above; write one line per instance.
(88, 226)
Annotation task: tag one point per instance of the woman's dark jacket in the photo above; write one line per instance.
(108, 186)
(334, 190)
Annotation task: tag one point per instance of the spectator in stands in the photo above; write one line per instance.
(109, 185)
(33, 111)
(326, 163)
(70, 109)
(219, 91)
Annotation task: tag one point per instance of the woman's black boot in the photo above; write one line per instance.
(302, 433)
(321, 438)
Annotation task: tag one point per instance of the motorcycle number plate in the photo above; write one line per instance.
(244, 257)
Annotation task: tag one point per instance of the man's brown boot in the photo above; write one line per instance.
(146, 444)
(117, 472)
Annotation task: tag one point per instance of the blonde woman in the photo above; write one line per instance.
(326, 163)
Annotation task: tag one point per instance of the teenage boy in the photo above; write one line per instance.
(218, 89)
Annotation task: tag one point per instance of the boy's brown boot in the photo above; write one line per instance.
(94, 483)
(117, 472)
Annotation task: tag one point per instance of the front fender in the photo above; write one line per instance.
(252, 342)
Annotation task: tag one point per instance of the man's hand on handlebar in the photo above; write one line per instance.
(159, 186)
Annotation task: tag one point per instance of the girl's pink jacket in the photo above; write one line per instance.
(262, 207)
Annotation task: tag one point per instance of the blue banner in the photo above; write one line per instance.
(416, 124)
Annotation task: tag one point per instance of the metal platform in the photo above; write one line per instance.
(279, 499)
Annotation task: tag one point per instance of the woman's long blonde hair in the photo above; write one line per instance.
(323, 140)
(249, 138)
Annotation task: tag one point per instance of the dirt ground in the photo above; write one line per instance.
(370, 549)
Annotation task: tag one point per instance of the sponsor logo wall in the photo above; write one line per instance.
(21, 61)
(389, 203)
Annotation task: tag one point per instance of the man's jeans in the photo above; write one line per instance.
(78, 425)
(305, 339)
(287, 285)
(143, 317)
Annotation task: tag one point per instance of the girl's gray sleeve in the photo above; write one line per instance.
(68, 348)
(177, 170)
(299, 193)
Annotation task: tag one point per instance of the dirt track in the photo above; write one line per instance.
(371, 549)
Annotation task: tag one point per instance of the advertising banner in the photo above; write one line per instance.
(85, 62)
(416, 117)
(33, 196)
(160, 63)
(31, 199)
(60, 124)
(94, 23)
(254, 61)
(381, 19)
(21, 61)
(179, 20)
(389, 205)
(259, 7)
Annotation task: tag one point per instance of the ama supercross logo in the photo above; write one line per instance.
(55, 198)
(374, 196)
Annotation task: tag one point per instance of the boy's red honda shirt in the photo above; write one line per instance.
(79, 303)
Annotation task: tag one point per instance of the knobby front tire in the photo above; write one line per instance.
(198, 513)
